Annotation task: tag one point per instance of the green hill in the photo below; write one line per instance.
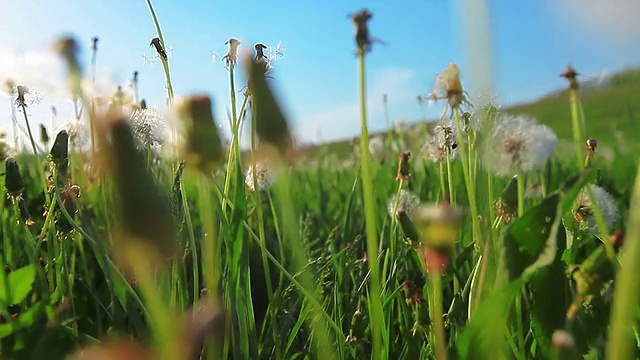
(610, 108)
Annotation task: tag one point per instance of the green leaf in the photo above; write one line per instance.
(24, 320)
(17, 286)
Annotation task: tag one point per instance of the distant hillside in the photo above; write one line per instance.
(613, 106)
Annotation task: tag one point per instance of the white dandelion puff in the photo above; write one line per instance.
(264, 177)
(517, 144)
(376, 146)
(401, 126)
(583, 208)
(437, 152)
(149, 127)
(405, 202)
(79, 133)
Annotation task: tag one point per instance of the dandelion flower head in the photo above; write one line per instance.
(264, 177)
(406, 202)
(518, 144)
(584, 212)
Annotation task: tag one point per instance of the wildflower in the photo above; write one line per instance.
(148, 127)
(448, 86)
(572, 77)
(78, 132)
(404, 170)
(583, 211)
(361, 29)
(401, 126)
(437, 226)
(405, 202)
(445, 135)
(232, 55)
(264, 177)
(437, 152)
(517, 144)
(25, 95)
(376, 146)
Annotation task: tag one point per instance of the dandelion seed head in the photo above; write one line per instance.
(78, 131)
(518, 144)
(437, 153)
(148, 127)
(583, 208)
(401, 126)
(264, 177)
(407, 202)
(376, 146)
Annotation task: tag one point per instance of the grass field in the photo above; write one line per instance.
(496, 238)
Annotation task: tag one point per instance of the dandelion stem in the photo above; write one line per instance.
(452, 192)
(443, 188)
(370, 215)
(520, 184)
(438, 324)
(165, 62)
(471, 193)
(261, 233)
(578, 136)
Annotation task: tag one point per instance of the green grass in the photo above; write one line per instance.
(176, 257)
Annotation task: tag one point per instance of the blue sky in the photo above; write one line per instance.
(527, 44)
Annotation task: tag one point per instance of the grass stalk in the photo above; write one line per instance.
(627, 293)
(370, 216)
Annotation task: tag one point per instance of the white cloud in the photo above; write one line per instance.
(343, 120)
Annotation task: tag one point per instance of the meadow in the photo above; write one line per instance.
(489, 233)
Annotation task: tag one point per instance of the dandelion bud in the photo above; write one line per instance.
(60, 150)
(13, 180)
(437, 227)
(202, 145)
(260, 56)
(94, 43)
(404, 169)
(270, 123)
(44, 134)
(591, 145)
(360, 22)
(449, 83)
(157, 44)
(144, 209)
(572, 77)
(68, 48)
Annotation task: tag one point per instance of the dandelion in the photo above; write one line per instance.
(448, 86)
(78, 132)
(517, 144)
(148, 127)
(436, 152)
(232, 55)
(264, 177)
(405, 202)
(583, 212)
(401, 126)
(376, 146)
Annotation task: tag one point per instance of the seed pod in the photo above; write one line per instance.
(13, 180)
(202, 145)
